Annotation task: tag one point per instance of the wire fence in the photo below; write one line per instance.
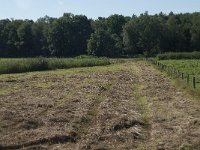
(190, 79)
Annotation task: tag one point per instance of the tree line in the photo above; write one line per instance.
(114, 36)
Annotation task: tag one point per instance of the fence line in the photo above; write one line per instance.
(175, 72)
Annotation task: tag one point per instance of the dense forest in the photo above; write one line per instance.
(114, 36)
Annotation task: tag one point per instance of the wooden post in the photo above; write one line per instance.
(188, 79)
(194, 82)
(182, 76)
(178, 73)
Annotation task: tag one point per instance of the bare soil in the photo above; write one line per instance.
(128, 105)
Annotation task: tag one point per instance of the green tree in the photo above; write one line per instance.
(3, 36)
(25, 36)
(69, 35)
(13, 41)
(195, 32)
(102, 43)
(40, 32)
(115, 24)
(143, 35)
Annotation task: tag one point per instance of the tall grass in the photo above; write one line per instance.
(37, 64)
(191, 67)
(181, 55)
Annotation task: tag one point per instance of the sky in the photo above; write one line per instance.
(34, 9)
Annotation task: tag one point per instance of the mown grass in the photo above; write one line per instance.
(179, 55)
(38, 64)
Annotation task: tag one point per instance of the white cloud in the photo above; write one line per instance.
(23, 4)
(60, 2)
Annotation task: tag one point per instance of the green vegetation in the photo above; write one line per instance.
(114, 36)
(37, 64)
(187, 67)
(191, 67)
(183, 55)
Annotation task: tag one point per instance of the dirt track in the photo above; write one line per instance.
(122, 106)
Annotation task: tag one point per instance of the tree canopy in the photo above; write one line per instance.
(114, 36)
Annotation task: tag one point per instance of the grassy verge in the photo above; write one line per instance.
(185, 82)
(187, 67)
(37, 64)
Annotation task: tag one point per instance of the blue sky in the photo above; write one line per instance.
(33, 9)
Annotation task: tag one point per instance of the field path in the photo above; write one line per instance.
(128, 105)
(175, 116)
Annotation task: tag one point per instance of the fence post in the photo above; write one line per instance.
(182, 76)
(188, 79)
(178, 73)
(194, 82)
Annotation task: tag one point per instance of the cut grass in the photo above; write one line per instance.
(142, 102)
(4, 90)
(37, 64)
(144, 110)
